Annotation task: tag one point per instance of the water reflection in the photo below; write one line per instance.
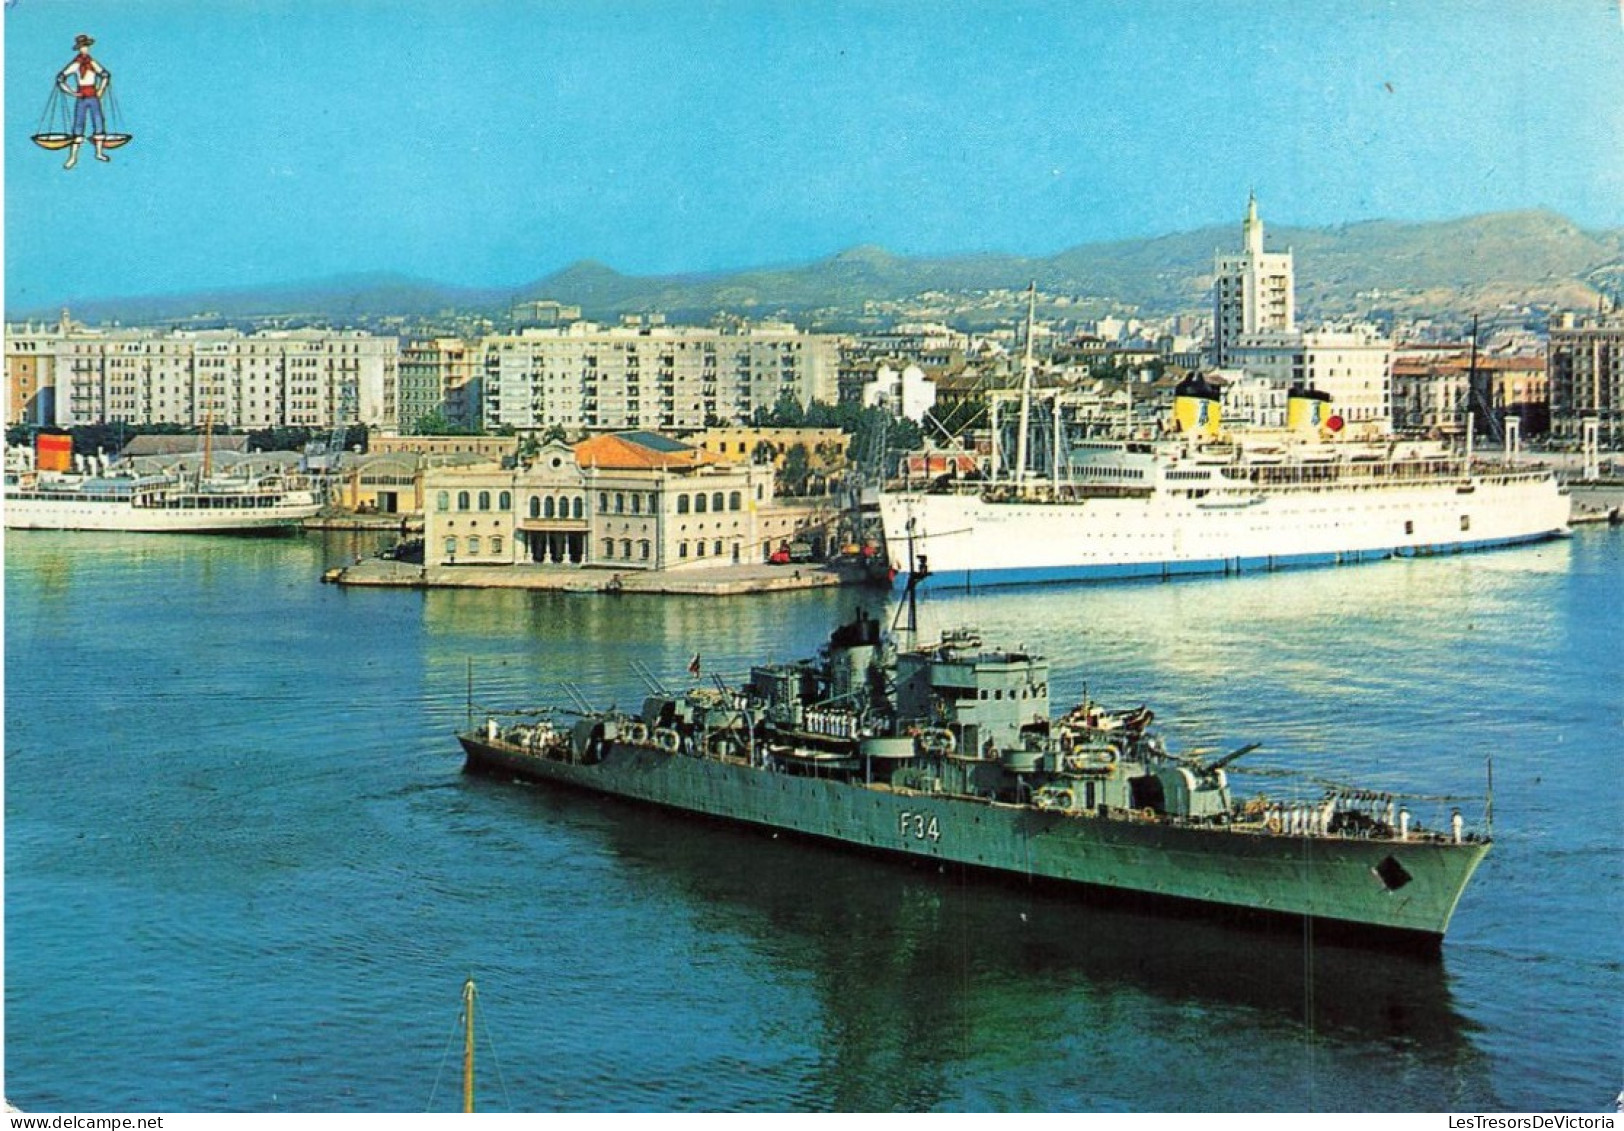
(932, 988)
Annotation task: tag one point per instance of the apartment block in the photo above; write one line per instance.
(585, 378)
(313, 378)
(1586, 366)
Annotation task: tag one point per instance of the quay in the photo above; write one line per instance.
(1598, 500)
(349, 520)
(719, 581)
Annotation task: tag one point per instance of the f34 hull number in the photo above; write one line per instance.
(919, 826)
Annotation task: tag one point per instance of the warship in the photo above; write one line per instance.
(948, 751)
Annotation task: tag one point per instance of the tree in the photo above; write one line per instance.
(436, 424)
(796, 471)
(282, 438)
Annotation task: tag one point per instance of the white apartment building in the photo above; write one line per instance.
(1353, 366)
(313, 378)
(1253, 292)
(671, 378)
(906, 393)
(1248, 401)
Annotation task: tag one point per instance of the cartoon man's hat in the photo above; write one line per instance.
(82, 41)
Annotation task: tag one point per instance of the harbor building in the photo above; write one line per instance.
(1586, 365)
(1253, 293)
(493, 448)
(826, 448)
(625, 501)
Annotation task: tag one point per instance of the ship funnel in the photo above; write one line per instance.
(851, 652)
(1308, 410)
(1195, 408)
(54, 451)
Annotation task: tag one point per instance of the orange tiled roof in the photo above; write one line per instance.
(625, 451)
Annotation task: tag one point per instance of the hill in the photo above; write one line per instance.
(1525, 258)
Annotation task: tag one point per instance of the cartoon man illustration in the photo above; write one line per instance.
(86, 80)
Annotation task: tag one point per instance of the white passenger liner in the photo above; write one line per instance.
(1159, 509)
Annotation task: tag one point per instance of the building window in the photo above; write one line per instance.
(451, 549)
(473, 544)
(443, 500)
(504, 501)
(603, 502)
(699, 547)
(682, 549)
(643, 549)
(549, 507)
(699, 502)
(682, 504)
(462, 500)
(626, 548)
(718, 547)
(734, 501)
(637, 503)
(608, 548)
(620, 502)
(496, 543)
(579, 505)
(716, 502)
(484, 500)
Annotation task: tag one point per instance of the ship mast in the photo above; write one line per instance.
(468, 1046)
(1026, 390)
(208, 439)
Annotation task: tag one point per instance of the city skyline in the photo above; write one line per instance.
(491, 144)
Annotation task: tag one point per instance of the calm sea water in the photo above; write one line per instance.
(244, 871)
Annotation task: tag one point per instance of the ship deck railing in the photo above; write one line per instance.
(1251, 476)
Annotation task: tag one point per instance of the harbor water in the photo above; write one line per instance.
(245, 872)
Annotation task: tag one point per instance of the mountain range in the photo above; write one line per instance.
(1480, 263)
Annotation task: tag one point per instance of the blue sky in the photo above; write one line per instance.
(491, 143)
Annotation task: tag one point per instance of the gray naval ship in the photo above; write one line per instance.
(948, 751)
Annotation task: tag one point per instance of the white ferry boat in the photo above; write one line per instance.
(124, 501)
(1205, 503)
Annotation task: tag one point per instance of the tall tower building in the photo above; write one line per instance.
(1253, 292)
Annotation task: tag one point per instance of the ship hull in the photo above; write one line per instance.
(36, 514)
(972, 541)
(1334, 880)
